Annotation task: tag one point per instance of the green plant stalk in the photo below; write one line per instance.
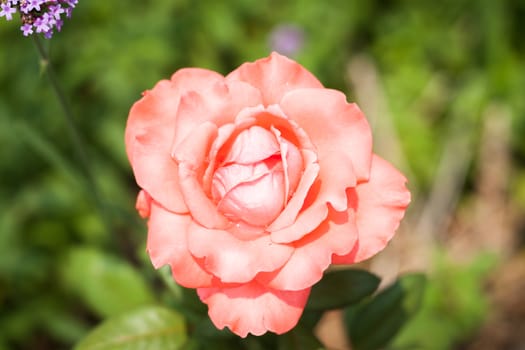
(78, 144)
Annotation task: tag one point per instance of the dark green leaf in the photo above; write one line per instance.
(299, 339)
(342, 288)
(374, 324)
(151, 327)
(310, 318)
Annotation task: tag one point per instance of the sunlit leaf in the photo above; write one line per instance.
(151, 327)
(106, 283)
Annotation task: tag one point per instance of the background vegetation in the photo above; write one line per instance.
(443, 83)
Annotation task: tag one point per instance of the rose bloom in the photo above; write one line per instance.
(254, 184)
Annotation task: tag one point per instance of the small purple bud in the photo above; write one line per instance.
(287, 39)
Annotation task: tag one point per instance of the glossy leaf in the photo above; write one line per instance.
(107, 284)
(299, 339)
(373, 324)
(150, 327)
(310, 318)
(342, 288)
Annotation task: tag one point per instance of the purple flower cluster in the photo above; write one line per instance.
(38, 16)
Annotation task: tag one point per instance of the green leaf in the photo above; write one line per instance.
(342, 288)
(310, 318)
(373, 324)
(299, 339)
(151, 327)
(107, 284)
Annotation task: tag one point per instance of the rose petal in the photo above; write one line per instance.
(149, 134)
(273, 118)
(227, 177)
(158, 106)
(380, 205)
(313, 253)
(143, 204)
(190, 154)
(167, 245)
(235, 260)
(252, 145)
(315, 206)
(219, 104)
(336, 174)
(256, 202)
(344, 130)
(307, 221)
(253, 308)
(223, 134)
(194, 79)
(156, 172)
(292, 162)
(274, 76)
(289, 215)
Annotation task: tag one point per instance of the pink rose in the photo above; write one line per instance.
(255, 183)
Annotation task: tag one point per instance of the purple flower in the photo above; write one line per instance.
(59, 24)
(41, 25)
(40, 16)
(7, 11)
(34, 4)
(55, 11)
(27, 29)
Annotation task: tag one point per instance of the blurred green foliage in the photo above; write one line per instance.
(454, 305)
(373, 324)
(441, 62)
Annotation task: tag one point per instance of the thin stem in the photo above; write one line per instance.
(78, 144)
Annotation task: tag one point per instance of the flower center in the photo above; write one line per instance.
(249, 185)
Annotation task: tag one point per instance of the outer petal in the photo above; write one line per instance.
(223, 135)
(158, 106)
(329, 188)
(307, 220)
(167, 245)
(292, 162)
(190, 154)
(313, 253)
(234, 260)
(289, 215)
(274, 76)
(156, 172)
(343, 142)
(143, 204)
(380, 203)
(149, 135)
(334, 126)
(219, 104)
(253, 308)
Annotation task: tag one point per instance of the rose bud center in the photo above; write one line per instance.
(251, 183)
